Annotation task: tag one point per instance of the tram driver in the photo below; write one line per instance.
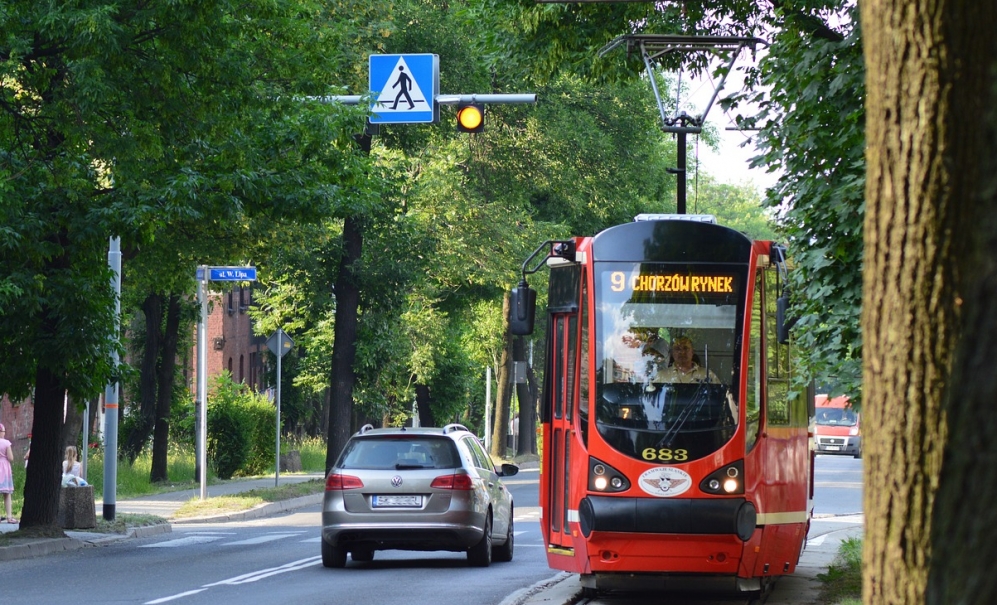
(684, 365)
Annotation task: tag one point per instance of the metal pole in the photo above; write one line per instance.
(488, 405)
(280, 350)
(680, 172)
(111, 393)
(202, 381)
(86, 438)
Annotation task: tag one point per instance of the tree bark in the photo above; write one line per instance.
(929, 64)
(423, 402)
(503, 396)
(139, 432)
(164, 389)
(344, 348)
(44, 474)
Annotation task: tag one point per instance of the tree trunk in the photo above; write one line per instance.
(139, 432)
(423, 403)
(72, 426)
(344, 348)
(928, 67)
(44, 474)
(962, 532)
(503, 397)
(164, 390)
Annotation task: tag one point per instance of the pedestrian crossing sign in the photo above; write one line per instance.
(404, 88)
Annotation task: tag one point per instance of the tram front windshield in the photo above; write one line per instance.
(665, 351)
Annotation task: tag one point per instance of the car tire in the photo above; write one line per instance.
(333, 556)
(362, 555)
(503, 552)
(480, 555)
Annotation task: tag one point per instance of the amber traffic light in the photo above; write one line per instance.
(470, 117)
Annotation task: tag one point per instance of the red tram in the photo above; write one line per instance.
(677, 448)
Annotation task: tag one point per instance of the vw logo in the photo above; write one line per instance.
(396, 481)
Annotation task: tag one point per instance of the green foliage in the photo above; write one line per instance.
(735, 206)
(239, 424)
(311, 449)
(843, 581)
(812, 122)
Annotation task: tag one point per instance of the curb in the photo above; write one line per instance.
(38, 548)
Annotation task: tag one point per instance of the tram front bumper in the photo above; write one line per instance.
(720, 516)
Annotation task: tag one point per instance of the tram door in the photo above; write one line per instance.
(563, 386)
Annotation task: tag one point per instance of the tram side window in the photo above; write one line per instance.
(777, 410)
(558, 365)
(755, 374)
(571, 373)
(583, 373)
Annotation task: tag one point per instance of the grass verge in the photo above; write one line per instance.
(842, 584)
(195, 507)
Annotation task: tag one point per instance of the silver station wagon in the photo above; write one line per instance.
(419, 489)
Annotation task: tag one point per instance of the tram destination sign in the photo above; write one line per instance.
(619, 281)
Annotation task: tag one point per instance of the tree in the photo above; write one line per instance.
(120, 119)
(811, 130)
(928, 315)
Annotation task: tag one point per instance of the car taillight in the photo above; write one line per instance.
(335, 482)
(455, 481)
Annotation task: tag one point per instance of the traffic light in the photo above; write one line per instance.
(470, 117)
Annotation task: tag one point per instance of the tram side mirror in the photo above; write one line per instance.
(782, 323)
(522, 309)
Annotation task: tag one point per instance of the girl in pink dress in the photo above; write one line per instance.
(6, 474)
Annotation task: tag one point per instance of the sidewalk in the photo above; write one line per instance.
(162, 505)
(802, 587)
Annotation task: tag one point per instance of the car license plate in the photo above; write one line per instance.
(397, 501)
(832, 448)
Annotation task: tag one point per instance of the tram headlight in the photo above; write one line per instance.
(606, 479)
(728, 479)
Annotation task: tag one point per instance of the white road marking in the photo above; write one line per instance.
(176, 596)
(252, 576)
(263, 539)
(188, 541)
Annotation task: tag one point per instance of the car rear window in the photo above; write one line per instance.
(400, 453)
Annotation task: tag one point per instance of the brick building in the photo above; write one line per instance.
(231, 346)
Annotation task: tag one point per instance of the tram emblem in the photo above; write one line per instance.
(665, 481)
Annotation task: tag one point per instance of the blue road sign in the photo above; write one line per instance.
(404, 89)
(229, 274)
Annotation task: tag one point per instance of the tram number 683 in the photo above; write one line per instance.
(665, 455)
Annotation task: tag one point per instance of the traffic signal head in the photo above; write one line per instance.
(470, 117)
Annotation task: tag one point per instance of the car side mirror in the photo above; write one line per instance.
(509, 470)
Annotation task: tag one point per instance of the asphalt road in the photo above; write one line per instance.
(274, 560)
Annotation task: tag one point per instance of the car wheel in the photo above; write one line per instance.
(480, 555)
(333, 556)
(503, 552)
(362, 555)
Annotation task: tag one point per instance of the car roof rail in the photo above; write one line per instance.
(365, 428)
(454, 427)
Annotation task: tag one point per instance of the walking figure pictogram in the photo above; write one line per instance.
(404, 83)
